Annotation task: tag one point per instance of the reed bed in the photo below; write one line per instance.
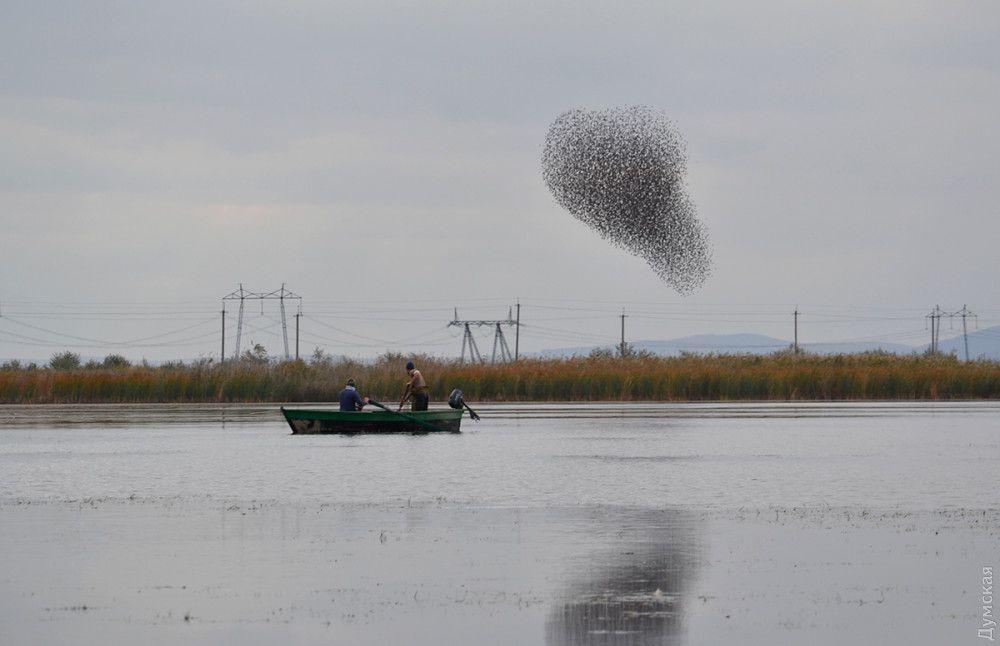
(689, 378)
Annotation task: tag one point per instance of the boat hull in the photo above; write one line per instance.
(315, 422)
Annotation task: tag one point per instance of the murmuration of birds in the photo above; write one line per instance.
(621, 172)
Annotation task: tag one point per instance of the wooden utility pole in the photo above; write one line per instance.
(933, 316)
(222, 357)
(796, 329)
(965, 335)
(298, 315)
(623, 334)
(933, 332)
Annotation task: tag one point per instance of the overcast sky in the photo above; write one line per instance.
(383, 160)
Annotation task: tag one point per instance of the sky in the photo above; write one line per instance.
(382, 161)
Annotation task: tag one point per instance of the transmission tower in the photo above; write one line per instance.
(470, 340)
(499, 340)
(965, 314)
(242, 295)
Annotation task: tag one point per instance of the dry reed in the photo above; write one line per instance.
(688, 378)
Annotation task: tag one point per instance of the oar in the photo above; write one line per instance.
(413, 419)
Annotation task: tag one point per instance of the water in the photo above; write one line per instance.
(597, 524)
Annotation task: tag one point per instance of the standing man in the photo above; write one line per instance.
(350, 400)
(416, 388)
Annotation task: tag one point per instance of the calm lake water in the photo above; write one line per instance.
(543, 524)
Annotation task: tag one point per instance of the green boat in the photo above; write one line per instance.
(312, 421)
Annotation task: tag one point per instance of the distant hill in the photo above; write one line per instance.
(983, 344)
(700, 343)
(857, 348)
(738, 344)
(714, 344)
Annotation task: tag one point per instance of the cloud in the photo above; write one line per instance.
(189, 146)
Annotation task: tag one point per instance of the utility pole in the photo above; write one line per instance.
(935, 317)
(937, 327)
(298, 315)
(965, 334)
(934, 328)
(222, 357)
(623, 333)
(796, 329)
(517, 332)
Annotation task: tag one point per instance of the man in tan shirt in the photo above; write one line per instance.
(416, 389)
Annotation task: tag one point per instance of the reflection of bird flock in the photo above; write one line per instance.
(621, 171)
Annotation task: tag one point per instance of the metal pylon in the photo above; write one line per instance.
(280, 295)
(498, 339)
(470, 340)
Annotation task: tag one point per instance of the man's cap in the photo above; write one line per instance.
(350, 382)
(409, 365)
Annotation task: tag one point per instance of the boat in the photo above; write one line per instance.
(314, 421)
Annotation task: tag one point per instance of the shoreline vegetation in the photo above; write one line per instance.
(777, 377)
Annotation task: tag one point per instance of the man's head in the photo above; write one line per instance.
(350, 382)
(409, 366)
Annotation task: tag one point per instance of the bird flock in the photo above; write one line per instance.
(621, 172)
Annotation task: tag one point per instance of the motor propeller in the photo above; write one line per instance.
(455, 401)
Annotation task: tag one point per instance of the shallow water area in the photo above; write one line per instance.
(543, 524)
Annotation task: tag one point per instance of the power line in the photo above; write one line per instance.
(353, 323)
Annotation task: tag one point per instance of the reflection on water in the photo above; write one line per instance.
(631, 595)
(819, 524)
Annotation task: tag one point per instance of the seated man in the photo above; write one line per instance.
(350, 400)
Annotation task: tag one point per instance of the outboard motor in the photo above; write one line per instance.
(455, 401)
